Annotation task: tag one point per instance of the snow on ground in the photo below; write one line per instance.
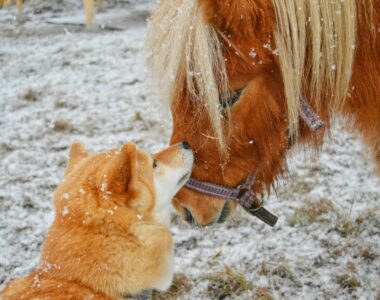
(61, 84)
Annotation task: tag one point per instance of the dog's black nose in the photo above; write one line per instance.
(185, 145)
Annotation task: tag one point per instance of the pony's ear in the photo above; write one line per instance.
(77, 154)
(120, 172)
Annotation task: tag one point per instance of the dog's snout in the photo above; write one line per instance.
(185, 145)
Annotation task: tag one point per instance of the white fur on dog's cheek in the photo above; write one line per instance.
(167, 184)
(166, 188)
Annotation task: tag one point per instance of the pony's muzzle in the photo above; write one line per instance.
(225, 213)
(219, 218)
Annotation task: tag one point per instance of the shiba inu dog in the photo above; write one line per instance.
(110, 237)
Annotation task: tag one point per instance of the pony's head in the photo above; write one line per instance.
(233, 72)
(257, 141)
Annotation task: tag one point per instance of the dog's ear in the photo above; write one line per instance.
(77, 154)
(120, 172)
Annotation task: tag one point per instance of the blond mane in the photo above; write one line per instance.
(328, 29)
(316, 42)
(185, 53)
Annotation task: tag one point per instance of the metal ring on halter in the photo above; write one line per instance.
(256, 208)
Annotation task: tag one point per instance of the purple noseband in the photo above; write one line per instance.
(243, 193)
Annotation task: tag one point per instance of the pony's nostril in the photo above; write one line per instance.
(188, 216)
(185, 145)
(225, 212)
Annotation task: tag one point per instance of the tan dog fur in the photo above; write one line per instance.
(108, 239)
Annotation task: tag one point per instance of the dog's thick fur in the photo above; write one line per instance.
(110, 236)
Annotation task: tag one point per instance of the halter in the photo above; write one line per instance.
(243, 194)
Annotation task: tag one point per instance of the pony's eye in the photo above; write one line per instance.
(154, 163)
(226, 102)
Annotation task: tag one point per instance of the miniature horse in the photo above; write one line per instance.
(234, 72)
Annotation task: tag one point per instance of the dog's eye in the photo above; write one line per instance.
(154, 163)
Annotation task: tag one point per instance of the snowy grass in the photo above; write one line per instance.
(61, 84)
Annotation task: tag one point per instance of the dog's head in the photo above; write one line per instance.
(112, 210)
(126, 177)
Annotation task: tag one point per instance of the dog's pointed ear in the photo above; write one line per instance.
(120, 171)
(77, 154)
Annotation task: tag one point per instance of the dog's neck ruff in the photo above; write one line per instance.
(243, 193)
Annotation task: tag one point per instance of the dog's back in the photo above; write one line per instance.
(37, 286)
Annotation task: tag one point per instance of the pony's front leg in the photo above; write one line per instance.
(3, 3)
(89, 9)
(19, 5)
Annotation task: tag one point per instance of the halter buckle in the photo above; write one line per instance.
(247, 200)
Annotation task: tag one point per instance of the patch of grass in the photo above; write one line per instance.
(63, 126)
(337, 251)
(30, 95)
(264, 269)
(282, 271)
(351, 267)
(60, 103)
(227, 284)
(367, 253)
(138, 116)
(348, 281)
(6, 147)
(262, 294)
(319, 262)
(311, 211)
(180, 286)
(367, 219)
(346, 227)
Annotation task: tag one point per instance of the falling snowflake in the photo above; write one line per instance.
(103, 186)
(65, 211)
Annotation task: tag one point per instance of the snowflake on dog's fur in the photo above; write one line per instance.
(36, 281)
(65, 211)
(103, 186)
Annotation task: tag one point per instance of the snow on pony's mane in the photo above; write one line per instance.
(185, 53)
(316, 42)
(328, 30)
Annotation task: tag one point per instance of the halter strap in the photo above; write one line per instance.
(243, 193)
